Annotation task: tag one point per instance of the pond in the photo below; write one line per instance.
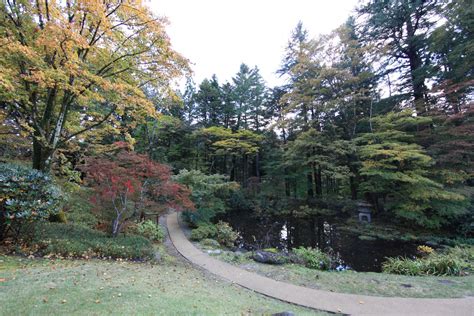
(285, 233)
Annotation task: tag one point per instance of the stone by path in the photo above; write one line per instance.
(334, 302)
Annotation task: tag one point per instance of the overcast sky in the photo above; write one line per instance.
(218, 35)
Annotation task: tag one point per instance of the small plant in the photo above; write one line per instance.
(425, 250)
(59, 217)
(226, 236)
(150, 230)
(313, 258)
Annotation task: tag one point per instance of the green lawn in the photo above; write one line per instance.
(369, 283)
(67, 287)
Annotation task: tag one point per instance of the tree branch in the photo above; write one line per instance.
(105, 118)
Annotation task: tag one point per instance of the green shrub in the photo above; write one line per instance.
(150, 230)
(222, 232)
(26, 196)
(313, 258)
(404, 266)
(204, 231)
(59, 217)
(226, 236)
(209, 194)
(463, 253)
(69, 240)
(438, 264)
(441, 264)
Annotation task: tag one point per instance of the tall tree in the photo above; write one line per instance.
(400, 28)
(209, 101)
(68, 67)
(453, 50)
(396, 174)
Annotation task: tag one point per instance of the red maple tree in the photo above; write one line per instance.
(129, 184)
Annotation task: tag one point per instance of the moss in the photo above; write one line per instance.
(60, 217)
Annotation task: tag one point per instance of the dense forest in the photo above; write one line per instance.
(379, 110)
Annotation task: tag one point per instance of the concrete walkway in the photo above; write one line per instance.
(317, 299)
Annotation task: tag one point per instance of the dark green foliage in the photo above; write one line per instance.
(26, 196)
(397, 170)
(204, 231)
(401, 28)
(453, 49)
(313, 258)
(69, 240)
(209, 194)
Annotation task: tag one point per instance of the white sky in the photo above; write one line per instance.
(218, 35)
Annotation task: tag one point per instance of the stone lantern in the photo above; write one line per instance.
(365, 212)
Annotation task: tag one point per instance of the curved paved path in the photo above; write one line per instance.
(317, 299)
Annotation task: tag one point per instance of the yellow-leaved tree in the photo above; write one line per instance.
(67, 67)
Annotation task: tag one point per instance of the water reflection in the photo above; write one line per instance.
(287, 233)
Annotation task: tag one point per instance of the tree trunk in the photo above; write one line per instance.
(417, 79)
(257, 166)
(42, 157)
(116, 226)
(309, 185)
(244, 170)
(353, 185)
(319, 183)
(232, 170)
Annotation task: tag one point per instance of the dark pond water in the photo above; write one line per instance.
(286, 233)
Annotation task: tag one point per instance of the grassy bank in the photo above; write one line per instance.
(79, 287)
(365, 283)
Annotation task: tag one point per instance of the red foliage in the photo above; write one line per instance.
(130, 183)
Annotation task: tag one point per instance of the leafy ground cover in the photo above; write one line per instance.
(71, 240)
(94, 287)
(368, 283)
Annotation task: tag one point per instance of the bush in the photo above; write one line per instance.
(149, 230)
(204, 231)
(403, 266)
(222, 232)
(313, 258)
(26, 196)
(59, 217)
(69, 240)
(226, 236)
(451, 263)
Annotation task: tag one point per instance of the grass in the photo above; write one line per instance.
(94, 287)
(363, 283)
